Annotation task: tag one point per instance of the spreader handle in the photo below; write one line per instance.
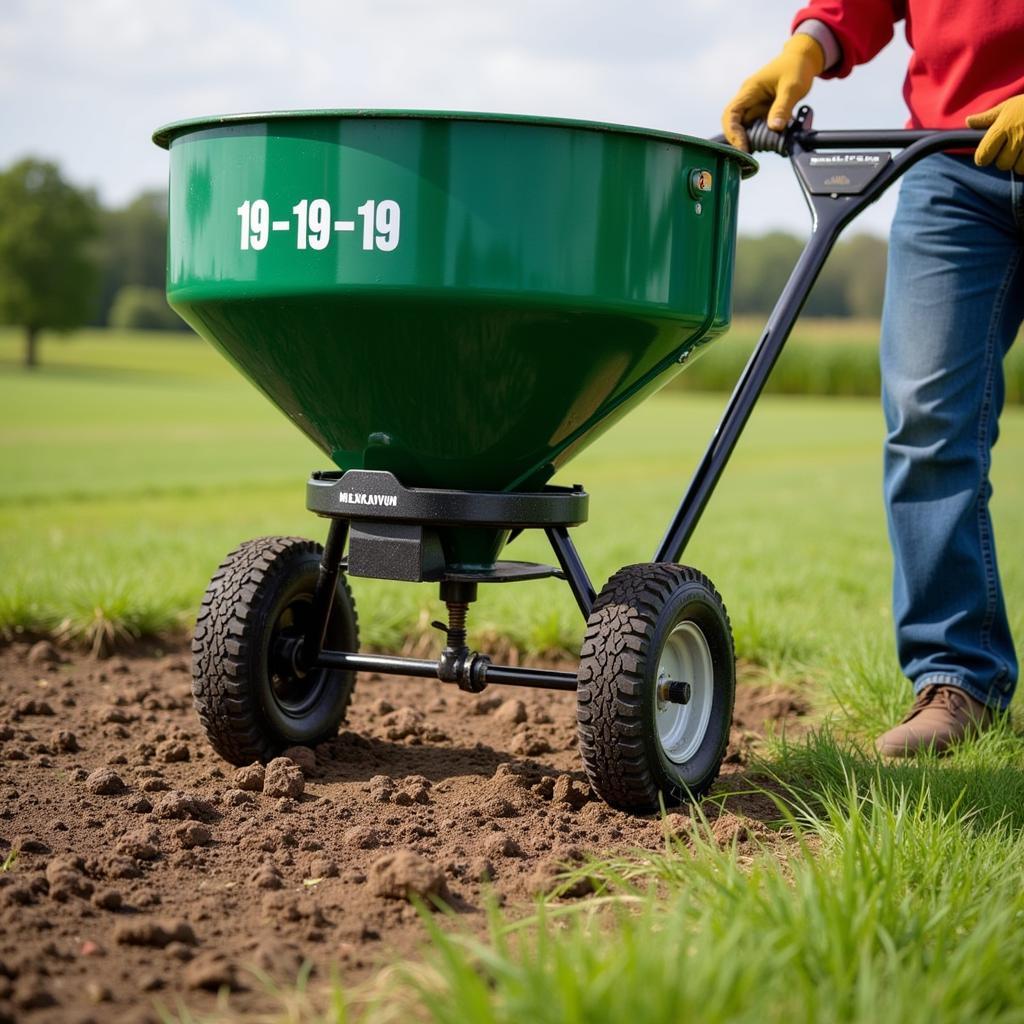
(831, 211)
(799, 134)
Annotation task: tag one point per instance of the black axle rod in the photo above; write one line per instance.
(387, 664)
(673, 692)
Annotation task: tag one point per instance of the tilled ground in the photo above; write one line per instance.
(141, 869)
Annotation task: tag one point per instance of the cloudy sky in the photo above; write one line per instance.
(84, 82)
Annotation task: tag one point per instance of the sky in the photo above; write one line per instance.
(85, 82)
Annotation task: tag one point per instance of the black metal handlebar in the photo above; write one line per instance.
(832, 207)
(800, 135)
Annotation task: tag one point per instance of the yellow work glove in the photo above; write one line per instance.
(774, 90)
(1004, 140)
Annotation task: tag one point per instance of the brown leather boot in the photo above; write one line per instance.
(940, 717)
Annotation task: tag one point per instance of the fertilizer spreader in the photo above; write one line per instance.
(452, 306)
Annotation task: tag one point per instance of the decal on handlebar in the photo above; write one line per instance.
(841, 174)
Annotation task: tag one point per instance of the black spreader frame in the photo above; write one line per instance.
(556, 509)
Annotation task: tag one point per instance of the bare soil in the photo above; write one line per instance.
(142, 870)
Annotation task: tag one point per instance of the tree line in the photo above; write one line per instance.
(851, 284)
(67, 261)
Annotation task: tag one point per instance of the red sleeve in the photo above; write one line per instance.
(862, 27)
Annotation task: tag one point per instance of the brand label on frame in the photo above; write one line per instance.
(379, 500)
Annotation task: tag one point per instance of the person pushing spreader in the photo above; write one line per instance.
(452, 306)
(954, 303)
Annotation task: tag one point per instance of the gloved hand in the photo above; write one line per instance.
(774, 90)
(1004, 140)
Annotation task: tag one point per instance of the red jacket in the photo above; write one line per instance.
(968, 54)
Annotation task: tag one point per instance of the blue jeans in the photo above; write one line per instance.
(954, 301)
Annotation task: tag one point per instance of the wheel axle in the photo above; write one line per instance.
(673, 691)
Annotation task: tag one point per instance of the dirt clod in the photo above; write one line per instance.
(141, 844)
(729, 829)
(503, 846)
(549, 875)
(213, 971)
(108, 899)
(568, 791)
(322, 867)
(529, 744)
(105, 782)
(155, 932)
(180, 805)
(404, 874)
(414, 789)
(284, 778)
(65, 742)
(180, 951)
(510, 712)
(403, 723)
(303, 757)
(250, 777)
(267, 876)
(362, 837)
(65, 879)
(173, 751)
(193, 833)
(29, 844)
(33, 994)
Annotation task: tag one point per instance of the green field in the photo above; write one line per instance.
(824, 357)
(132, 464)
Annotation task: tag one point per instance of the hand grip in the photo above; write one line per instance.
(762, 139)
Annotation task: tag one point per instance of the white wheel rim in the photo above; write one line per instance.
(685, 657)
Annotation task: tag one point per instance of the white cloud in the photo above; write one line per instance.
(86, 82)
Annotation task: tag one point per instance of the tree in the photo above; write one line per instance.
(851, 283)
(133, 250)
(47, 274)
(763, 265)
(138, 308)
(861, 262)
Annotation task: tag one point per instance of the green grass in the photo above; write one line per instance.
(130, 466)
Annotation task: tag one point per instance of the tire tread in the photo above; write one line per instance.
(610, 701)
(226, 636)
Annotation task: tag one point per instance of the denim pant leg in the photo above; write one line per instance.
(954, 302)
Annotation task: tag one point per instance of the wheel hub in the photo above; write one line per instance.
(681, 724)
(291, 685)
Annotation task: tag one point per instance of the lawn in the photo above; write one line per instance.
(132, 464)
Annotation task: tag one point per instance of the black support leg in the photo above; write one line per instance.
(323, 595)
(571, 564)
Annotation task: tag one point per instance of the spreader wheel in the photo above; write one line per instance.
(250, 703)
(656, 685)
